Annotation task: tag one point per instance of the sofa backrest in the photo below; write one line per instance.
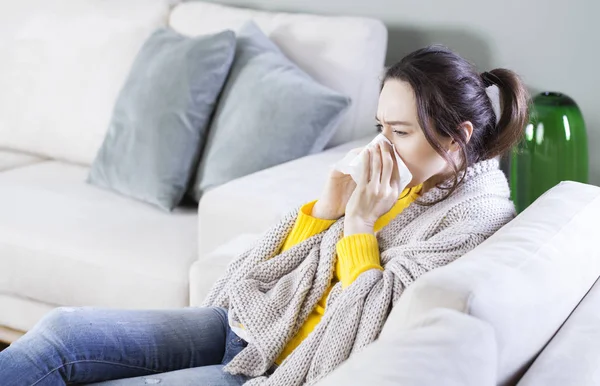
(63, 64)
(344, 53)
(524, 281)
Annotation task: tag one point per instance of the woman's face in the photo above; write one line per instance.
(397, 120)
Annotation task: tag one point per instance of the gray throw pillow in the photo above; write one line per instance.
(269, 112)
(160, 118)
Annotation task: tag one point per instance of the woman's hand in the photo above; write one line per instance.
(332, 203)
(377, 190)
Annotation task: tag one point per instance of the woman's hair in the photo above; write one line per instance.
(449, 91)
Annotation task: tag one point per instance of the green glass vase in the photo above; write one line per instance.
(554, 149)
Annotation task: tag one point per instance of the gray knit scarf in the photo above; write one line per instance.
(271, 294)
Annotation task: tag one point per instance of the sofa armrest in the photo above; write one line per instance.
(207, 270)
(443, 347)
(253, 203)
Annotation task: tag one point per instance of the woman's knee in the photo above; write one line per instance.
(56, 320)
(50, 331)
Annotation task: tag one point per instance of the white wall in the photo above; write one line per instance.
(554, 45)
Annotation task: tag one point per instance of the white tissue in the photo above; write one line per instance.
(350, 164)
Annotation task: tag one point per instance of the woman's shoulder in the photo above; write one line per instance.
(480, 204)
(485, 205)
(484, 208)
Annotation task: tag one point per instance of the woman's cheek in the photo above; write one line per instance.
(421, 159)
(413, 163)
(418, 176)
(426, 167)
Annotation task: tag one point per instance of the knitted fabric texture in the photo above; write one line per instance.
(271, 294)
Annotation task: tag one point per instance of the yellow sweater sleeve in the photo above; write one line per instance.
(356, 254)
(305, 226)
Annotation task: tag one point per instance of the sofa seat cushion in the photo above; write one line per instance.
(209, 268)
(19, 314)
(66, 242)
(10, 159)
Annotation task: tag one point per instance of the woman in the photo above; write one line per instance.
(320, 284)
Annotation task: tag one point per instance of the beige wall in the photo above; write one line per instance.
(554, 45)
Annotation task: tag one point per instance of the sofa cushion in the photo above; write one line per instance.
(343, 53)
(161, 117)
(269, 112)
(209, 268)
(572, 357)
(63, 63)
(10, 159)
(65, 242)
(524, 280)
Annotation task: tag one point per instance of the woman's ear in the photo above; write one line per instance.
(467, 128)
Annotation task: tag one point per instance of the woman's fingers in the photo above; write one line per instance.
(388, 164)
(395, 181)
(375, 166)
(356, 150)
(366, 167)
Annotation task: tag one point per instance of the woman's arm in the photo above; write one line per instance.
(306, 226)
(356, 254)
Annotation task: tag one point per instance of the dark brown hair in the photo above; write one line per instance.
(449, 91)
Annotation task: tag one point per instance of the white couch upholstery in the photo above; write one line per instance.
(572, 357)
(10, 159)
(524, 281)
(64, 242)
(442, 347)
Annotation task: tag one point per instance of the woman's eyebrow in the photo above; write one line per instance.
(394, 123)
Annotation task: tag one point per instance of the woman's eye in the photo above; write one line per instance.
(380, 129)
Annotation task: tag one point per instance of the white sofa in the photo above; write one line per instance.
(64, 242)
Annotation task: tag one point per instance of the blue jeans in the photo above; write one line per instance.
(83, 345)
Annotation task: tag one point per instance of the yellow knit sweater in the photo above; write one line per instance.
(356, 254)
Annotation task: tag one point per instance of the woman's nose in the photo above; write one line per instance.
(386, 134)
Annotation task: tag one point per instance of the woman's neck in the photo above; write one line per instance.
(438, 179)
(433, 181)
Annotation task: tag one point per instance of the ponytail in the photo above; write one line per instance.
(513, 108)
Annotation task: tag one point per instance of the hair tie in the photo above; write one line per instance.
(488, 79)
(493, 93)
